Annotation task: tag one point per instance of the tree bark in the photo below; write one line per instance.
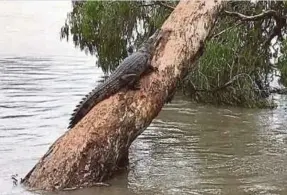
(97, 147)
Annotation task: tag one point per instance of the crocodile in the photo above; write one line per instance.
(127, 74)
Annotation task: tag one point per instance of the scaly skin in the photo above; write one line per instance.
(126, 74)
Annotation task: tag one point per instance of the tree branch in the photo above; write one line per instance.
(225, 85)
(161, 3)
(279, 91)
(223, 31)
(260, 16)
(147, 5)
(280, 22)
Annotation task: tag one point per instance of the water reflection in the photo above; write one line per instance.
(188, 149)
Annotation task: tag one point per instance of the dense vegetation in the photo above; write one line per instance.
(242, 54)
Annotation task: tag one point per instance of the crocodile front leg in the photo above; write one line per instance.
(132, 81)
(152, 69)
(134, 85)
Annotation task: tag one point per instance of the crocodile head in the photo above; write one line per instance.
(150, 44)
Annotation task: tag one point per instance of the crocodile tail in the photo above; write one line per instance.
(84, 106)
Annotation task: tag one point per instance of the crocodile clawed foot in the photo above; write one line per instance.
(135, 86)
(15, 180)
(151, 69)
(155, 69)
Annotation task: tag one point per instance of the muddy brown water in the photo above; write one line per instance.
(188, 149)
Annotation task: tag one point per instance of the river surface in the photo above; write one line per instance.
(188, 149)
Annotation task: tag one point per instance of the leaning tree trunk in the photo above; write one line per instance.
(97, 147)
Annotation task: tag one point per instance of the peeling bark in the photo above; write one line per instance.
(97, 147)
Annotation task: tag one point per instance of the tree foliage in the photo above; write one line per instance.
(246, 47)
(238, 64)
(107, 28)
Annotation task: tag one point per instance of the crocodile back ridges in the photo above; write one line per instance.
(133, 64)
(91, 99)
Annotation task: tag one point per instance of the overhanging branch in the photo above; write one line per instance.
(223, 31)
(279, 19)
(161, 3)
(225, 85)
(260, 16)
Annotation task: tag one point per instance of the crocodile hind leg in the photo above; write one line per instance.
(151, 69)
(132, 81)
(135, 83)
